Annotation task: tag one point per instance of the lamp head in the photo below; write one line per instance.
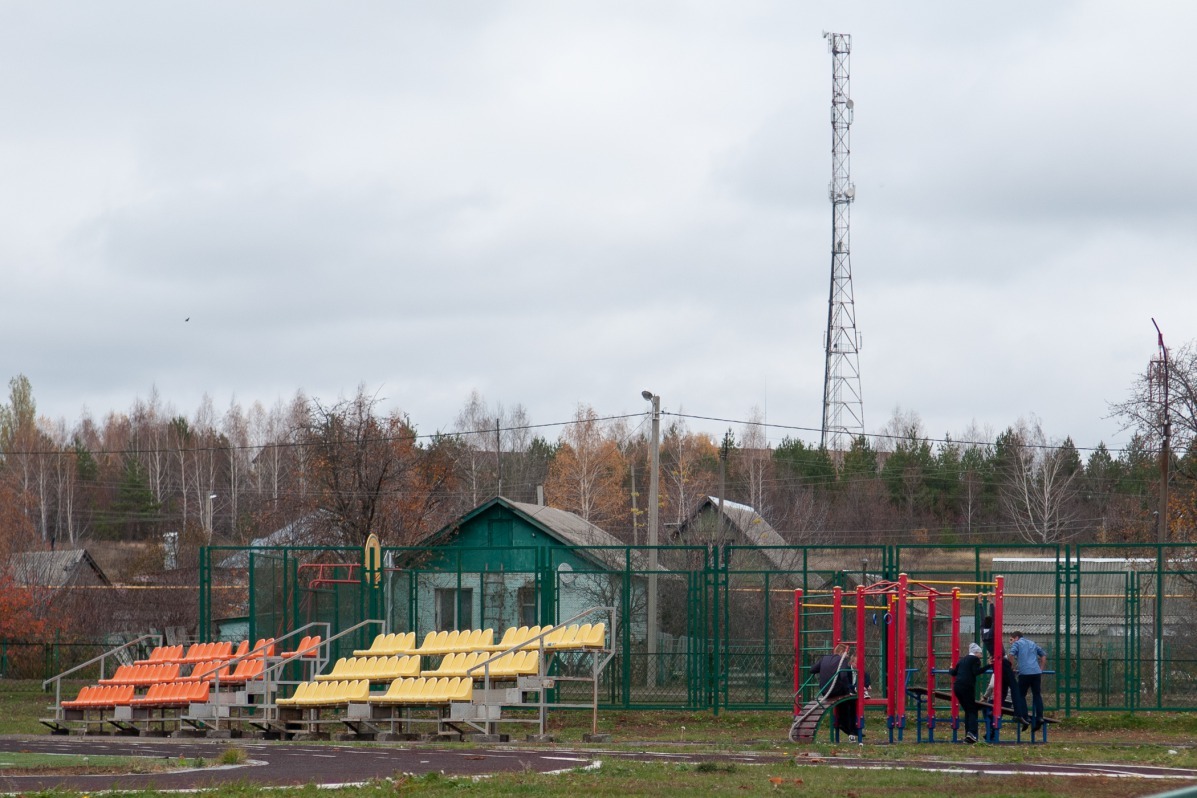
(648, 395)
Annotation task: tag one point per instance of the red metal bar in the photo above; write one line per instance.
(931, 660)
(891, 682)
(837, 621)
(797, 650)
(999, 648)
(860, 657)
(955, 651)
(901, 697)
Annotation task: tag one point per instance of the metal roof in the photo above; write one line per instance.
(60, 568)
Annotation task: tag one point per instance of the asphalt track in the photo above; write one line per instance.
(284, 764)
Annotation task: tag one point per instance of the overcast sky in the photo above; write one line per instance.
(558, 203)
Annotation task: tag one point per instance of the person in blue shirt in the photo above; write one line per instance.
(1030, 660)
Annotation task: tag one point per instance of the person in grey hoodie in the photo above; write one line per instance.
(966, 672)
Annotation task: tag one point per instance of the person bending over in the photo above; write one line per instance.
(966, 671)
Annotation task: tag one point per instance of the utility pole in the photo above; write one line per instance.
(1159, 375)
(653, 503)
(499, 457)
(635, 511)
(843, 407)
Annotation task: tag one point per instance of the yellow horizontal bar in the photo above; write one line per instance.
(842, 606)
(933, 582)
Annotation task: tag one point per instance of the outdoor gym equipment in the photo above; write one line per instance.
(889, 604)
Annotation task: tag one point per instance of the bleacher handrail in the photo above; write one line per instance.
(57, 680)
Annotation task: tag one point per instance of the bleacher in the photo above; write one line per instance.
(176, 688)
(453, 683)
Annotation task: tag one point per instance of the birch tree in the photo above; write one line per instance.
(1039, 484)
(586, 475)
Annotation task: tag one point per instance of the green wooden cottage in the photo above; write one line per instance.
(509, 563)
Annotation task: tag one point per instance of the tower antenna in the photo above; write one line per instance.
(843, 408)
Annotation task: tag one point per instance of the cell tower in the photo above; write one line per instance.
(843, 408)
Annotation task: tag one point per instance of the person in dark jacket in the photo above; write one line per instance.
(1009, 679)
(835, 681)
(966, 671)
(987, 634)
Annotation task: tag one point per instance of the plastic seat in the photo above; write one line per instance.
(597, 637)
(505, 641)
(263, 648)
(197, 652)
(246, 670)
(448, 662)
(314, 695)
(81, 700)
(308, 647)
(335, 673)
(354, 692)
(400, 691)
(463, 692)
(377, 645)
(570, 638)
(408, 665)
(301, 690)
(119, 675)
(102, 697)
(554, 637)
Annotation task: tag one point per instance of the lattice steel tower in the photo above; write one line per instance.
(843, 408)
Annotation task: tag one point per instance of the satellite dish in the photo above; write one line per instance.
(565, 573)
(850, 192)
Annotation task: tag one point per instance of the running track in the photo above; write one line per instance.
(297, 763)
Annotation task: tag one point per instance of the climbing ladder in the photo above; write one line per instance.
(806, 722)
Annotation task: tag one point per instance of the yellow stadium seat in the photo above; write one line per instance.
(408, 665)
(506, 641)
(464, 692)
(378, 644)
(597, 637)
(569, 639)
(533, 632)
(335, 673)
(300, 691)
(556, 636)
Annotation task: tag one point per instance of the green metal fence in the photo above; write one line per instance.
(1115, 620)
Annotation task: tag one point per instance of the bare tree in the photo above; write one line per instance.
(235, 429)
(477, 427)
(1038, 484)
(755, 460)
(1142, 410)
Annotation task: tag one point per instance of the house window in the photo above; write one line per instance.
(527, 599)
(454, 609)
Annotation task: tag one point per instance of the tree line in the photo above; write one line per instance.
(347, 469)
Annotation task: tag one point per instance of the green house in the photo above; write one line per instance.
(508, 563)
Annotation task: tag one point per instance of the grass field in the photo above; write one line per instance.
(1158, 739)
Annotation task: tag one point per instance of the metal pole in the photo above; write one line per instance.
(797, 650)
(653, 507)
(1166, 431)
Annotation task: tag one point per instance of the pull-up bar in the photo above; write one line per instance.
(898, 596)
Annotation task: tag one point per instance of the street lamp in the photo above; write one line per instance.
(653, 504)
(209, 520)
